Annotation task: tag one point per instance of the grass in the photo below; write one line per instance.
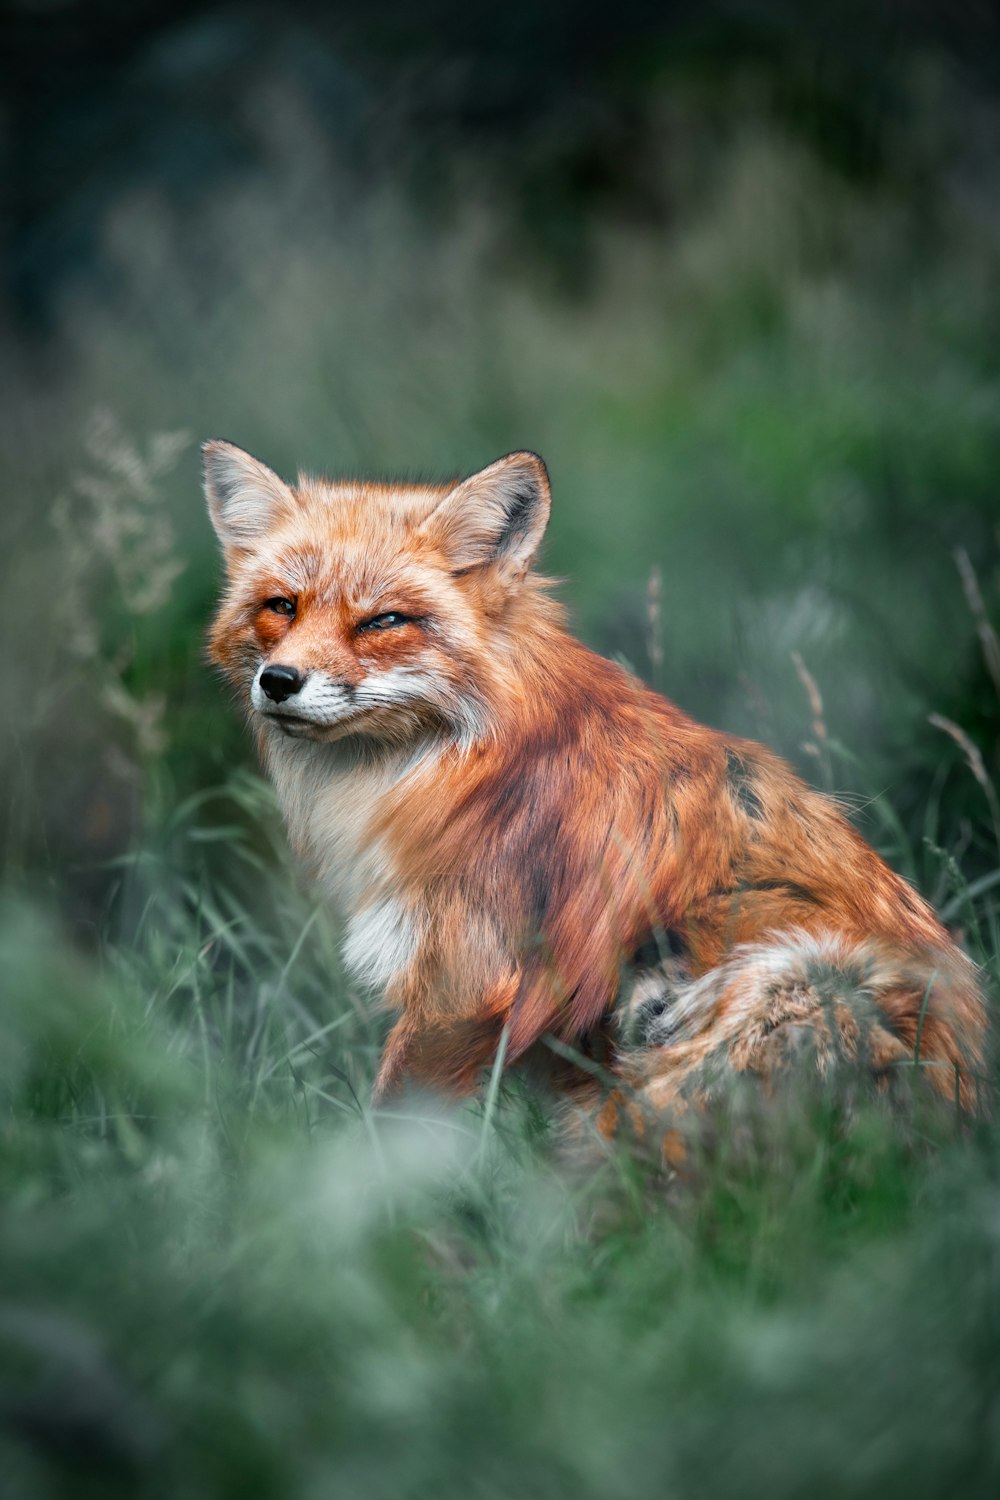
(221, 1272)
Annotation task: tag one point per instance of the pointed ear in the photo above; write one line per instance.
(245, 498)
(496, 518)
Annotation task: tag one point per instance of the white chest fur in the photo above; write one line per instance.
(382, 939)
(330, 799)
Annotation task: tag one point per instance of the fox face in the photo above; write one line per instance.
(373, 610)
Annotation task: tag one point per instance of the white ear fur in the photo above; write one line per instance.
(497, 516)
(244, 497)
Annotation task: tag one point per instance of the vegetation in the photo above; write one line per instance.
(221, 1274)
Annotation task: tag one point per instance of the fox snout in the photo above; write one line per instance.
(300, 699)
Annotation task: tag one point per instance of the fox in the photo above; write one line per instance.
(534, 855)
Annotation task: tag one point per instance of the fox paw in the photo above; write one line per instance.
(649, 1004)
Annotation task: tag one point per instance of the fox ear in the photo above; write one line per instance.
(244, 497)
(497, 517)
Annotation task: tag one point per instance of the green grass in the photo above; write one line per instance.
(221, 1273)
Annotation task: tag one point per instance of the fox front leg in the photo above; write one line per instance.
(443, 1053)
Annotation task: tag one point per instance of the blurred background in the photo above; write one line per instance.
(733, 268)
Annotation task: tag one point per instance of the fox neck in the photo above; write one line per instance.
(328, 794)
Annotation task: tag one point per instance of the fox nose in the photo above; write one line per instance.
(280, 683)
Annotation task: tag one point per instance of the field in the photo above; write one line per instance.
(771, 423)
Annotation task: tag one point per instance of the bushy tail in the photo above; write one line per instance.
(869, 1005)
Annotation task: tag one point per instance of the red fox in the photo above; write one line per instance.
(523, 839)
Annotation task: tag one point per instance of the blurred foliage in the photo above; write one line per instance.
(732, 270)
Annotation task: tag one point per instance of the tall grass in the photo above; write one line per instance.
(221, 1273)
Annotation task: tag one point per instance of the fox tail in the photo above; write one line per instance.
(867, 1004)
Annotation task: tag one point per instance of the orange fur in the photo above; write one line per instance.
(506, 819)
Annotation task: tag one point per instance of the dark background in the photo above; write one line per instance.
(554, 98)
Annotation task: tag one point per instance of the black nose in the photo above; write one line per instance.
(280, 683)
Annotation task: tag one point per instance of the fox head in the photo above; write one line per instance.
(371, 609)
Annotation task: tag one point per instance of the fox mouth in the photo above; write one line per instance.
(297, 726)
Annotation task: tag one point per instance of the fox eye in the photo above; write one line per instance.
(387, 622)
(284, 607)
